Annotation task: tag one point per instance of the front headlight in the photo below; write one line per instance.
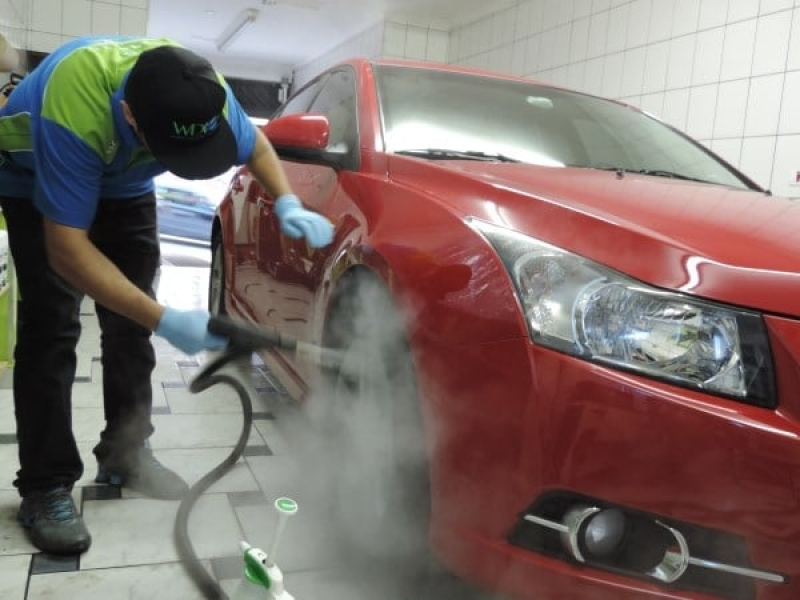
(579, 307)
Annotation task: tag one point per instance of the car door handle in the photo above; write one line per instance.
(263, 202)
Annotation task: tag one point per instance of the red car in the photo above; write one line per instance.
(580, 328)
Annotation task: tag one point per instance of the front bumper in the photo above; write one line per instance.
(515, 422)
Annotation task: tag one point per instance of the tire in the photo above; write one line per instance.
(216, 280)
(373, 430)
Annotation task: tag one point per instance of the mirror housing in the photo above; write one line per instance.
(305, 131)
(304, 137)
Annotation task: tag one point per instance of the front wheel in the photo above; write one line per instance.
(216, 282)
(372, 424)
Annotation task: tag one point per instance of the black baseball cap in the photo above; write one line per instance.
(177, 100)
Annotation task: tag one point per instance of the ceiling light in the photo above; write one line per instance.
(235, 29)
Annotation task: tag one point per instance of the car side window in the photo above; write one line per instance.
(337, 101)
(300, 102)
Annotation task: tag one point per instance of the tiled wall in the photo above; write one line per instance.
(726, 71)
(415, 42)
(53, 22)
(13, 18)
(390, 39)
(366, 44)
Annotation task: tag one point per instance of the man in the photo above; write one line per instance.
(81, 138)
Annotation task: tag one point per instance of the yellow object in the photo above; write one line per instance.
(8, 299)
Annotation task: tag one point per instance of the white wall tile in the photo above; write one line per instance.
(702, 107)
(44, 42)
(785, 165)
(575, 74)
(713, 13)
(758, 153)
(676, 108)
(504, 27)
(547, 49)
(77, 17)
(731, 108)
(598, 28)
(661, 18)
(439, 43)
(561, 45)
(532, 54)
(739, 10)
(655, 71)
(772, 43)
(522, 20)
(601, 5)
(686, 17)
(550, 14)
(681, 60)
(133, 21)
(793, 63)
(593, 76)
(579, 40)
(764, 105)
(518, 57)
(416, 43)
(535, 16)
(729, 150)
(46, 16)
(638, 22)
(790, 109)
(616, 37)
(737, 56)
(633, 71)
(566, 11)
(708, 56)
(653, 104)
(136, 3)
(105, 19)
(583, 8)
(394, 39)
(770, 6)
(612, 75)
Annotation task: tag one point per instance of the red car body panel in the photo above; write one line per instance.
(508, 420)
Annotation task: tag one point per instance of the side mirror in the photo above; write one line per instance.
(307, 131)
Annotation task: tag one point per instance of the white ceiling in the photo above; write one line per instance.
(290, 33)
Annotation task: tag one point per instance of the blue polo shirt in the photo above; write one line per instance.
(64, 139)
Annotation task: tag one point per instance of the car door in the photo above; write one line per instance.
(294, 268)
(257, 239)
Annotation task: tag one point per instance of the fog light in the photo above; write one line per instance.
(593, 531)
(604, 533)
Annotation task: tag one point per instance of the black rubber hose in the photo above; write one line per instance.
(204, 379)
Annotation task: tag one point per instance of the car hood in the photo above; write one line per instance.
(734, 246)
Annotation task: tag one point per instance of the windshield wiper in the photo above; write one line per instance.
(651, 172)
(445, 154)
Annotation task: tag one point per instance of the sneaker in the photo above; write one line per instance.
(141, 472)
(53, 522)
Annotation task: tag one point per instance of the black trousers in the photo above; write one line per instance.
(48, 329)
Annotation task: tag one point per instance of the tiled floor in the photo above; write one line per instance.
(133, 556)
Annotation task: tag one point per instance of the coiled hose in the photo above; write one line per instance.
(243, 341)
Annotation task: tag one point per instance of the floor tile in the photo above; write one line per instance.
(139, 531)
(14, 576)
(46, 563)
(216, 399)
(152, 582)
(200, 431)
(195, 463)
(273, 436)
(87, 423)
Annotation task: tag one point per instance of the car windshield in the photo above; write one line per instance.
(462, 116)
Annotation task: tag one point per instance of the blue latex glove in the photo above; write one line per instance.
(187, 330)
(297, 222)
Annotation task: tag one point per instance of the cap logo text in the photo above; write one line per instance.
(194, 131)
